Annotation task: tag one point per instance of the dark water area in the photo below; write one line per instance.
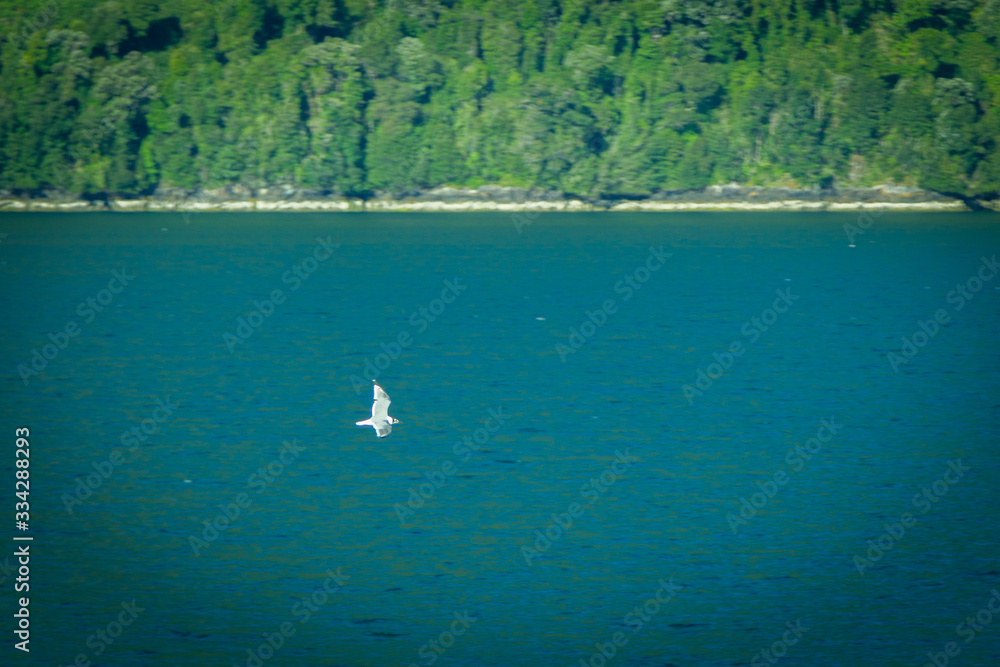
(639, 440)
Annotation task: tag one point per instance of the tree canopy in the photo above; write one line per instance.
(589, 97)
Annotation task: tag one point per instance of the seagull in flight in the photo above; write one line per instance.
(380, 420)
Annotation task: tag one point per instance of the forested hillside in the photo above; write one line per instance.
(587, 97)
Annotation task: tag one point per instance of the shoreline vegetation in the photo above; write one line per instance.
(583, 104)
(730, 197)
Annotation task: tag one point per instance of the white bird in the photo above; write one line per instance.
(380, 420)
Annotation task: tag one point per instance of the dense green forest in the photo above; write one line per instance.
(583, 96)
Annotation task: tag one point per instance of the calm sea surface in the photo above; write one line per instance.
(676, 460)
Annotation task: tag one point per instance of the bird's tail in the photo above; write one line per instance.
(367, 422)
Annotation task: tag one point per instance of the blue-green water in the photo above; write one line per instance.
(332, 503)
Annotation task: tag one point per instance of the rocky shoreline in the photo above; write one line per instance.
(731, 197)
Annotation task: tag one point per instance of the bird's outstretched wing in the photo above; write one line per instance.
(380, 408)
(383, 429)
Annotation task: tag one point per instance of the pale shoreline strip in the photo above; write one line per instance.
(387, 206)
